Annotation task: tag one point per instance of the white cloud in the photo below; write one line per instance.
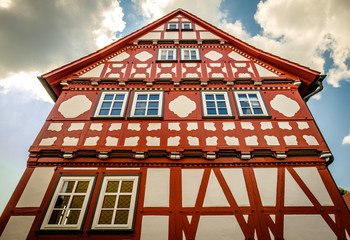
(25, 82)
(112, 23)
(5, 3)
(235, 29)
(346, 140)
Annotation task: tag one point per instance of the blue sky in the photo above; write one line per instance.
(38, 36)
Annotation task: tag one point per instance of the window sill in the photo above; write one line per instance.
(254, 116)
(58, 231)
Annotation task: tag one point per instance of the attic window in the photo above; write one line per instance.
(172, 26)
(186, 26)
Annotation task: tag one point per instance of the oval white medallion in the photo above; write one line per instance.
(285, 105)
(75, 106)
(182, 106)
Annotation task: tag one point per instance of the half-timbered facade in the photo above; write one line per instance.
(178, 131)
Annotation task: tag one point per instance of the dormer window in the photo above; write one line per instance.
(172, 26)
(186, 26)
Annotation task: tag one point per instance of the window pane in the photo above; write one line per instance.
(140, 104)
(112, 186)
(127, 186)
(117, 104)
(210, 104)
(109, 201)
(104, 112)
(119, 97)
(209, 97)
(246, 111)
(221, 104)
(67, 186)
(56, 217)
(163, 55)
(186, 54)
(257, 111)
(152, 112)
(124, 201)
(108, 97)
(222, 111)
(193, 54)
(142, 97)
(106, 217)
(170, 55)
(62, 201)
(242, 97)
(116, 112)
(154, 97)
(253, 97)
(255, 104)
(211, 111)
(122, 217)
(153, 105)
(106, 104)
(220, 97)
(82, 187)
(244, 103)
(77, 202)
(73, 217)
(140, 112)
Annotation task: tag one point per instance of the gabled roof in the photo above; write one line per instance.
(308, 76)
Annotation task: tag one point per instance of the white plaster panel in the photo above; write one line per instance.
(157, 187)
(271, 140)
(218, 75)
(199, 27)
(235, 180)
(193, 141)
(36, 187)
(284, 125)
(154, 227)
(190, 64)
(96, 126)
(160, 28)
(228, 126)
(182, 106)
(223, 227)
(290, 140)
(210, 126)
(192, 126)
(141, 65)
(55, 127)
(191, 181)
(214, 56)
(189, 35)
(165, 75)
(134, 126)
(95, 72)
(247, 125)
(115, 127)
(47, 141)
(131, 141)
(293, 194)
(266, 179)
(313, 181)
(171, 35)
(120, 57)
(237, 57)
(231, 141)
(285, 105)
(211, 141)
(17, 228)
(251, 141)
(70, 141)
(154, 126)
(91, 141)
(306, 227)
(111, 141)
(143, 56)
(263, 72)
(153, 141)
(265, 125)
(76, 126)
(244, 75)
(303, 125)
(208, 35)
(151, 36)
(174, 141)
(75, 106)
(214, 196)
(310, 140)
(140, 75)
(174, 126)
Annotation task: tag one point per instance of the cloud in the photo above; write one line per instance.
(346, 140)
(27, 83)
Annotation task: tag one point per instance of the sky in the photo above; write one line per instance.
(39, 36)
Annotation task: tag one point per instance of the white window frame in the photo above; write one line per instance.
(166, 51)
(130, 224)
(261, 102)
(183, 54)
(172, 29)
(61, 226)
(205, 106)
(160, 104)
(186, 29)
(102, 100)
